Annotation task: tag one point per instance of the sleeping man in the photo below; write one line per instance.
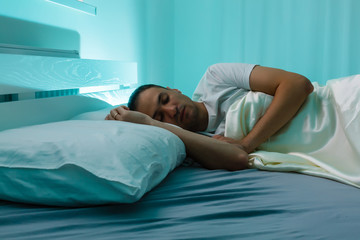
(221, 86)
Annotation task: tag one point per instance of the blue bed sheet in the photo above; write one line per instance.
(194, 203)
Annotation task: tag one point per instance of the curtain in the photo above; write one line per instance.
(316, 38)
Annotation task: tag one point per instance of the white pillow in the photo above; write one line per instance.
(75, 163)
(94, 115)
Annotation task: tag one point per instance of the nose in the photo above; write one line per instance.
(169, 110)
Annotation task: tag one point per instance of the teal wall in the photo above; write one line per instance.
(159, 42)
(116, 32)
(174, 41)
(127, 30)
(317, 38)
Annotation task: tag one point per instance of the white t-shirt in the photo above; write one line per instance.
(221, 85)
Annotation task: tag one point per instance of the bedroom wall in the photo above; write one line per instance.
(114, 33)
(174, 41)
(127, 30)
(319, 39)
(159, 42)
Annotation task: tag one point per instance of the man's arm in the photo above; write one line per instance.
(290, 90)
(208, 152)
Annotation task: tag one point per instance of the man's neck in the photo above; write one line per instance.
(203, 116)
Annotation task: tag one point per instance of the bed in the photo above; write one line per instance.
(184, 201)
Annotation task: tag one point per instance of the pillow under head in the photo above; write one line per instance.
(81, 162)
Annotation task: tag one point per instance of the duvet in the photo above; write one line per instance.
(323, 139)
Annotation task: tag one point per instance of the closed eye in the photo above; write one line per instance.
(164, 98)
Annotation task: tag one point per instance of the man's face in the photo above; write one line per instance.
(170, 106)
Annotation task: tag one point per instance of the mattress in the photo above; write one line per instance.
(195, 203)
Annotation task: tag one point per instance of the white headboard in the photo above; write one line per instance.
(39, 89)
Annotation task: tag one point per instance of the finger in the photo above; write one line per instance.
(114, 114)
(217, 136)
(240, 146)
(125, 107)
(121, 110)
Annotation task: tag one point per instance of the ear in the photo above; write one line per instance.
(173, 89)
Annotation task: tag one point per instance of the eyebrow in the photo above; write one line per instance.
(158, 103)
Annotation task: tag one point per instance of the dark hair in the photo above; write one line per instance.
(133, 100)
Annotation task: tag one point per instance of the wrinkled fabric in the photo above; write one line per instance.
(195, 203)
(83, 162)
(321, 140)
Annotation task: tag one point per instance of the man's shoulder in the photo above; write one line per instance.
(222, 76)
(228, 66)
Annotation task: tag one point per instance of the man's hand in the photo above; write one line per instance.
(231, 141)
(123, 113)
(224, 139)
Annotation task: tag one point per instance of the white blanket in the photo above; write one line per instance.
(322, 140)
